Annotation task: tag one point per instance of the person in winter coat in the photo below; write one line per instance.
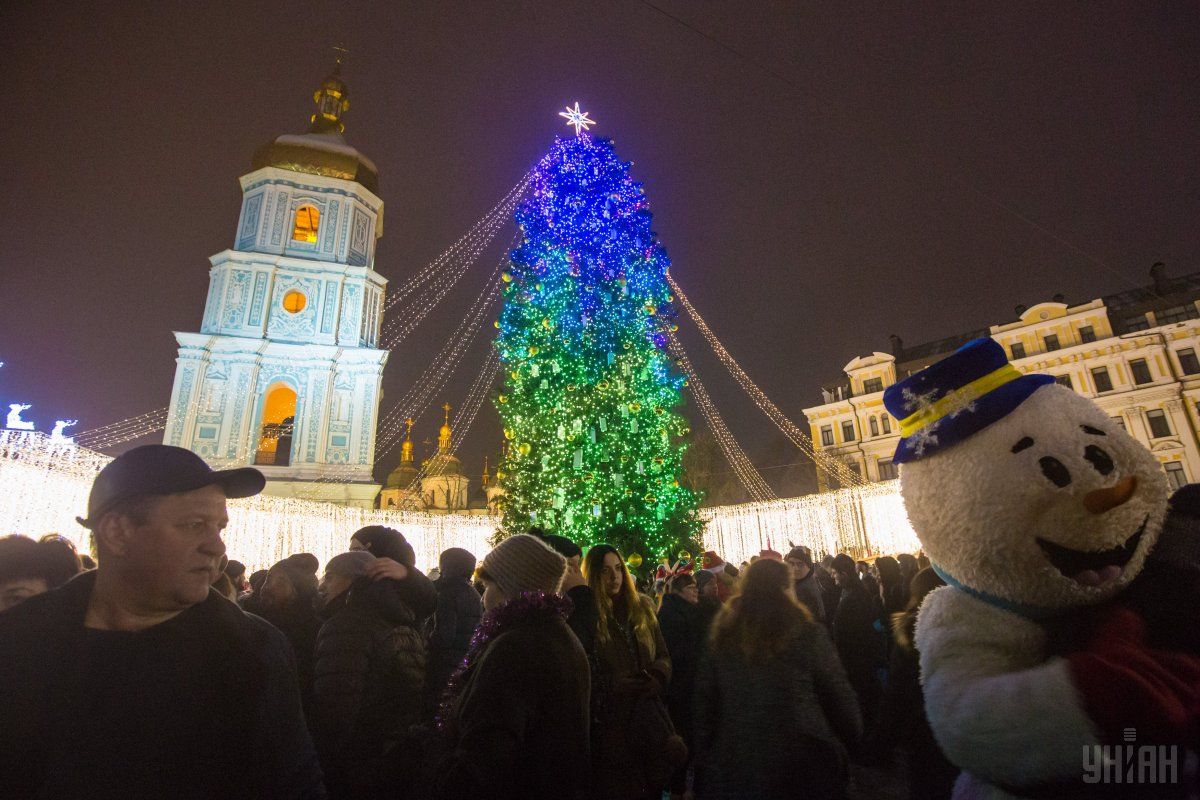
(458, 611)
(515, 719)
(830, 593)
(804, 582)
(893, 591)
(630, 663)
(854, 635)
(368, 677)
(775, 714)
(902, 719)
(396, 560)
(288, 600)
(684, 623)
(136, 680)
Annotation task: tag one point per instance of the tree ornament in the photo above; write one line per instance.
(634, 561)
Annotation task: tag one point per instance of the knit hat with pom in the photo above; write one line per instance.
(522, 563)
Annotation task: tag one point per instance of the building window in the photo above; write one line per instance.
(887, 470)
(887, 424)
(294, 302)
(848, 431)
(1187, 361)
(874, 426)
(307, 219)
(1137, 322)
(1102, 380)
(1064, 380)
(827, 436)
(1140, 370)
(1051, 340)
(1175, 475)
(1176, 314)
(1087, 334)
(1119, 422)
(872, 385)
(1018, 350)
(1158, 423)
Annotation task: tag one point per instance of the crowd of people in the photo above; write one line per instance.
(542, 671)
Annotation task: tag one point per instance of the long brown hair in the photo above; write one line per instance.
(903, 622)
(628, 598)
(761, 617)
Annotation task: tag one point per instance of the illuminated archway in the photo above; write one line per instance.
(278, 420)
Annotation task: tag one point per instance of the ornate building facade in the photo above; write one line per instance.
(1136, 353)
(285, 371)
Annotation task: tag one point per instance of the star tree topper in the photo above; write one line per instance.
(579, 119)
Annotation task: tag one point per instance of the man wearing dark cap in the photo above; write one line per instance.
(136, 680)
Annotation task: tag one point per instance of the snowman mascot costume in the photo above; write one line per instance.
(1038, 511)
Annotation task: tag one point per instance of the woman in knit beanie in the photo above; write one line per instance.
(515, 715)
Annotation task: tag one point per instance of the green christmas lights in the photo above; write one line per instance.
(590, 402)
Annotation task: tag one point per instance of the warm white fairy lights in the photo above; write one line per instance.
(473, 241)
(751, 479)
(839, 471)
(47, 485)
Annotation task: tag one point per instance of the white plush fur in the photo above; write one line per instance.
(1000, 710)
(977, 506)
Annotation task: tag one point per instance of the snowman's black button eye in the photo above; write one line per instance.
(1021, 445)
(1092, 431)
(1101, 460)
(1053, 469)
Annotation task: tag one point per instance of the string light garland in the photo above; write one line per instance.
(832, 466)
(590, 398)
(499, 214)
(53, 482)
(758, 489)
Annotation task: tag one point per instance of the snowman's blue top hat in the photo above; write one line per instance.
(963, 393)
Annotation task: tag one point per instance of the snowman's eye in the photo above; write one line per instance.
(1053, 469)
(1092, 431)
(1100, 459)
(1021, 445)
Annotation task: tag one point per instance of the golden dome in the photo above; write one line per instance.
(322, 150)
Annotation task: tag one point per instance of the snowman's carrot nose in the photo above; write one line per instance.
(1102, 500)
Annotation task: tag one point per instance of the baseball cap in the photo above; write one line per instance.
(158, 469)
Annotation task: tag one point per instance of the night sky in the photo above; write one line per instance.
(822, 175)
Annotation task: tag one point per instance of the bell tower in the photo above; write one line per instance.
(285, 371)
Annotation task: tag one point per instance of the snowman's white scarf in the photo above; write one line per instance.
(1029, 612)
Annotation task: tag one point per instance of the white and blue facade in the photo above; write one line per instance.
(291, 310)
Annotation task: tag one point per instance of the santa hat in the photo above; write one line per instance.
(962, 394)
(711, 561)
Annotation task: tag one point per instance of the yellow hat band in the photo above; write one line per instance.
(958, 400)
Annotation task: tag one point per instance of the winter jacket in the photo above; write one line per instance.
(684, 628)
(830, 595)
(615, 658)
(176, 710)
(368, 680)
(518, 730)
(859, 644)
(778, 728)
(902, 721)
(458, 611)
(808, 592)
(299, 622)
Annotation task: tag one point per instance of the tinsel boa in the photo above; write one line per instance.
(526, 608)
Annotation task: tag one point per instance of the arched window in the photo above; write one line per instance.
(887, 424)
(308, 217)
(874, 426)
(278, 421)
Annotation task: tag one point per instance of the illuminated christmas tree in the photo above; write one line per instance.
(590, 398)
